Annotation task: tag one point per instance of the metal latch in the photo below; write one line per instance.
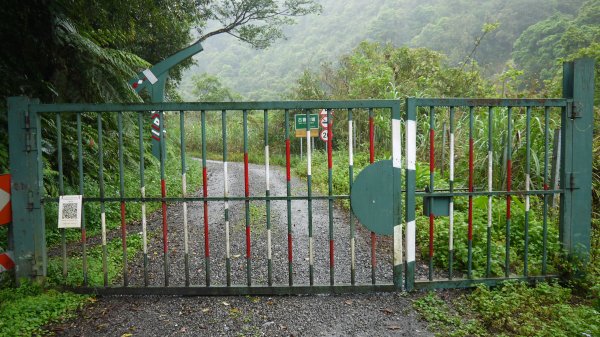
(575, 110)
(571, 183)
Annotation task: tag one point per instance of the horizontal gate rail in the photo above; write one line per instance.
(217, 106)
(238, 290)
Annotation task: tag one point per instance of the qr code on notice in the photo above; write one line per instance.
(69, 211)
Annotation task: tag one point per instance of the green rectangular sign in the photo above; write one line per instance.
(301, 121)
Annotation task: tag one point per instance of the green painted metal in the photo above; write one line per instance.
(25, 155)
(288, 189)
(493, 193)
(209, 199)
(508, 196)
(545, 209)
(215, 106)
(350, 184)
(238, 290)
(371, 161)
(576, 166)
(470, 234)
(508, 106)
(247, 202)
(143, 194)
(162, 68)
(311, 273)
(330, 201)
(469, 283)
(487, 102)
(372, 197)
(398, 260)
(61, 190)
(437, 205)
(450, 211)
(410, 203)
(571, 223)
(226, 195)
(186, 256)
(83, 226)
(488, 265)
(156, 90)
(431, 188)
(163, 155)
(205, 205)
(268, 202)
(122, 195)
(102, 207)
(527, 172)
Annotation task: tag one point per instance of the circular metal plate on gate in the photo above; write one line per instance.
(371, 197)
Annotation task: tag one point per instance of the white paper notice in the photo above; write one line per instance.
(69, 211)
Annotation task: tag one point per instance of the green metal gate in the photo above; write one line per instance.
(393, 264)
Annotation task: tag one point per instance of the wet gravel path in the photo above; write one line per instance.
(332, 315)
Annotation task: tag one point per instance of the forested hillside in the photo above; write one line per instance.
(464, 30)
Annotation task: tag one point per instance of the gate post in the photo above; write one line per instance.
(410, 203)
(397, 192)
(576, 166)
(25, 158)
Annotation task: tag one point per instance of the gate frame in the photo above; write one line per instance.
(26, 168)
(577, 124)
(23, 109)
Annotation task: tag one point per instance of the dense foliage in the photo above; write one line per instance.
(513, 309)
(464, 30)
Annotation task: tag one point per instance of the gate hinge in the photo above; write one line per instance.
(571, 183)
(574, 110)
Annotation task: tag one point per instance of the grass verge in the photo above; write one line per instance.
(513, 309)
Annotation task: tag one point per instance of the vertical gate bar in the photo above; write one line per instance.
(371, 161)
(470, 216)
(411, 160)
(443, 162)
(451, 206)
(527, 183)
(350, 181)
(81, 189)
(61, 190)
(102, 208)
(143, 195)
(268, 202)
(226, 195)
(488, 269)
(122, 195)
(397, 194)
(186, 258)
(545, 215)
(508, 189)
(431, 186)
(247, 201)
(163, 190)
(330, 200)
(288, 193)
(205, 195)
(309, 186)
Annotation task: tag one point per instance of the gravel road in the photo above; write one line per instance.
(385, 314)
